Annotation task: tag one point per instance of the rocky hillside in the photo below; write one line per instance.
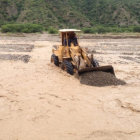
(71, 13)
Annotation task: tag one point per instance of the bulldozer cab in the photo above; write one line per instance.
(69, 37)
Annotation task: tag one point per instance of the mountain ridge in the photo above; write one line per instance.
(71, 13)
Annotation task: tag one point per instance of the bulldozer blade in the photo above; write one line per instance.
(108, 69)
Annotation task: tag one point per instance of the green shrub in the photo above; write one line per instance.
(136, 29)
(21, 28)
(52, 30)
(87, 30)
(102, 30)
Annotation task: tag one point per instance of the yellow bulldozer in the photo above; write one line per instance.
(74, 59)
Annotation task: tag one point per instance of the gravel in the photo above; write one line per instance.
(100, 79)
(15, 57)
(16, 48)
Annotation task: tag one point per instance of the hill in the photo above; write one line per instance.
(70, 13)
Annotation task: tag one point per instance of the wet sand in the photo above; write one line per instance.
(39, 101)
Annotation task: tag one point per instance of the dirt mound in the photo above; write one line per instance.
(100, 79)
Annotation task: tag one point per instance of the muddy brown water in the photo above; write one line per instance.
(100, 79)
(29, 97)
